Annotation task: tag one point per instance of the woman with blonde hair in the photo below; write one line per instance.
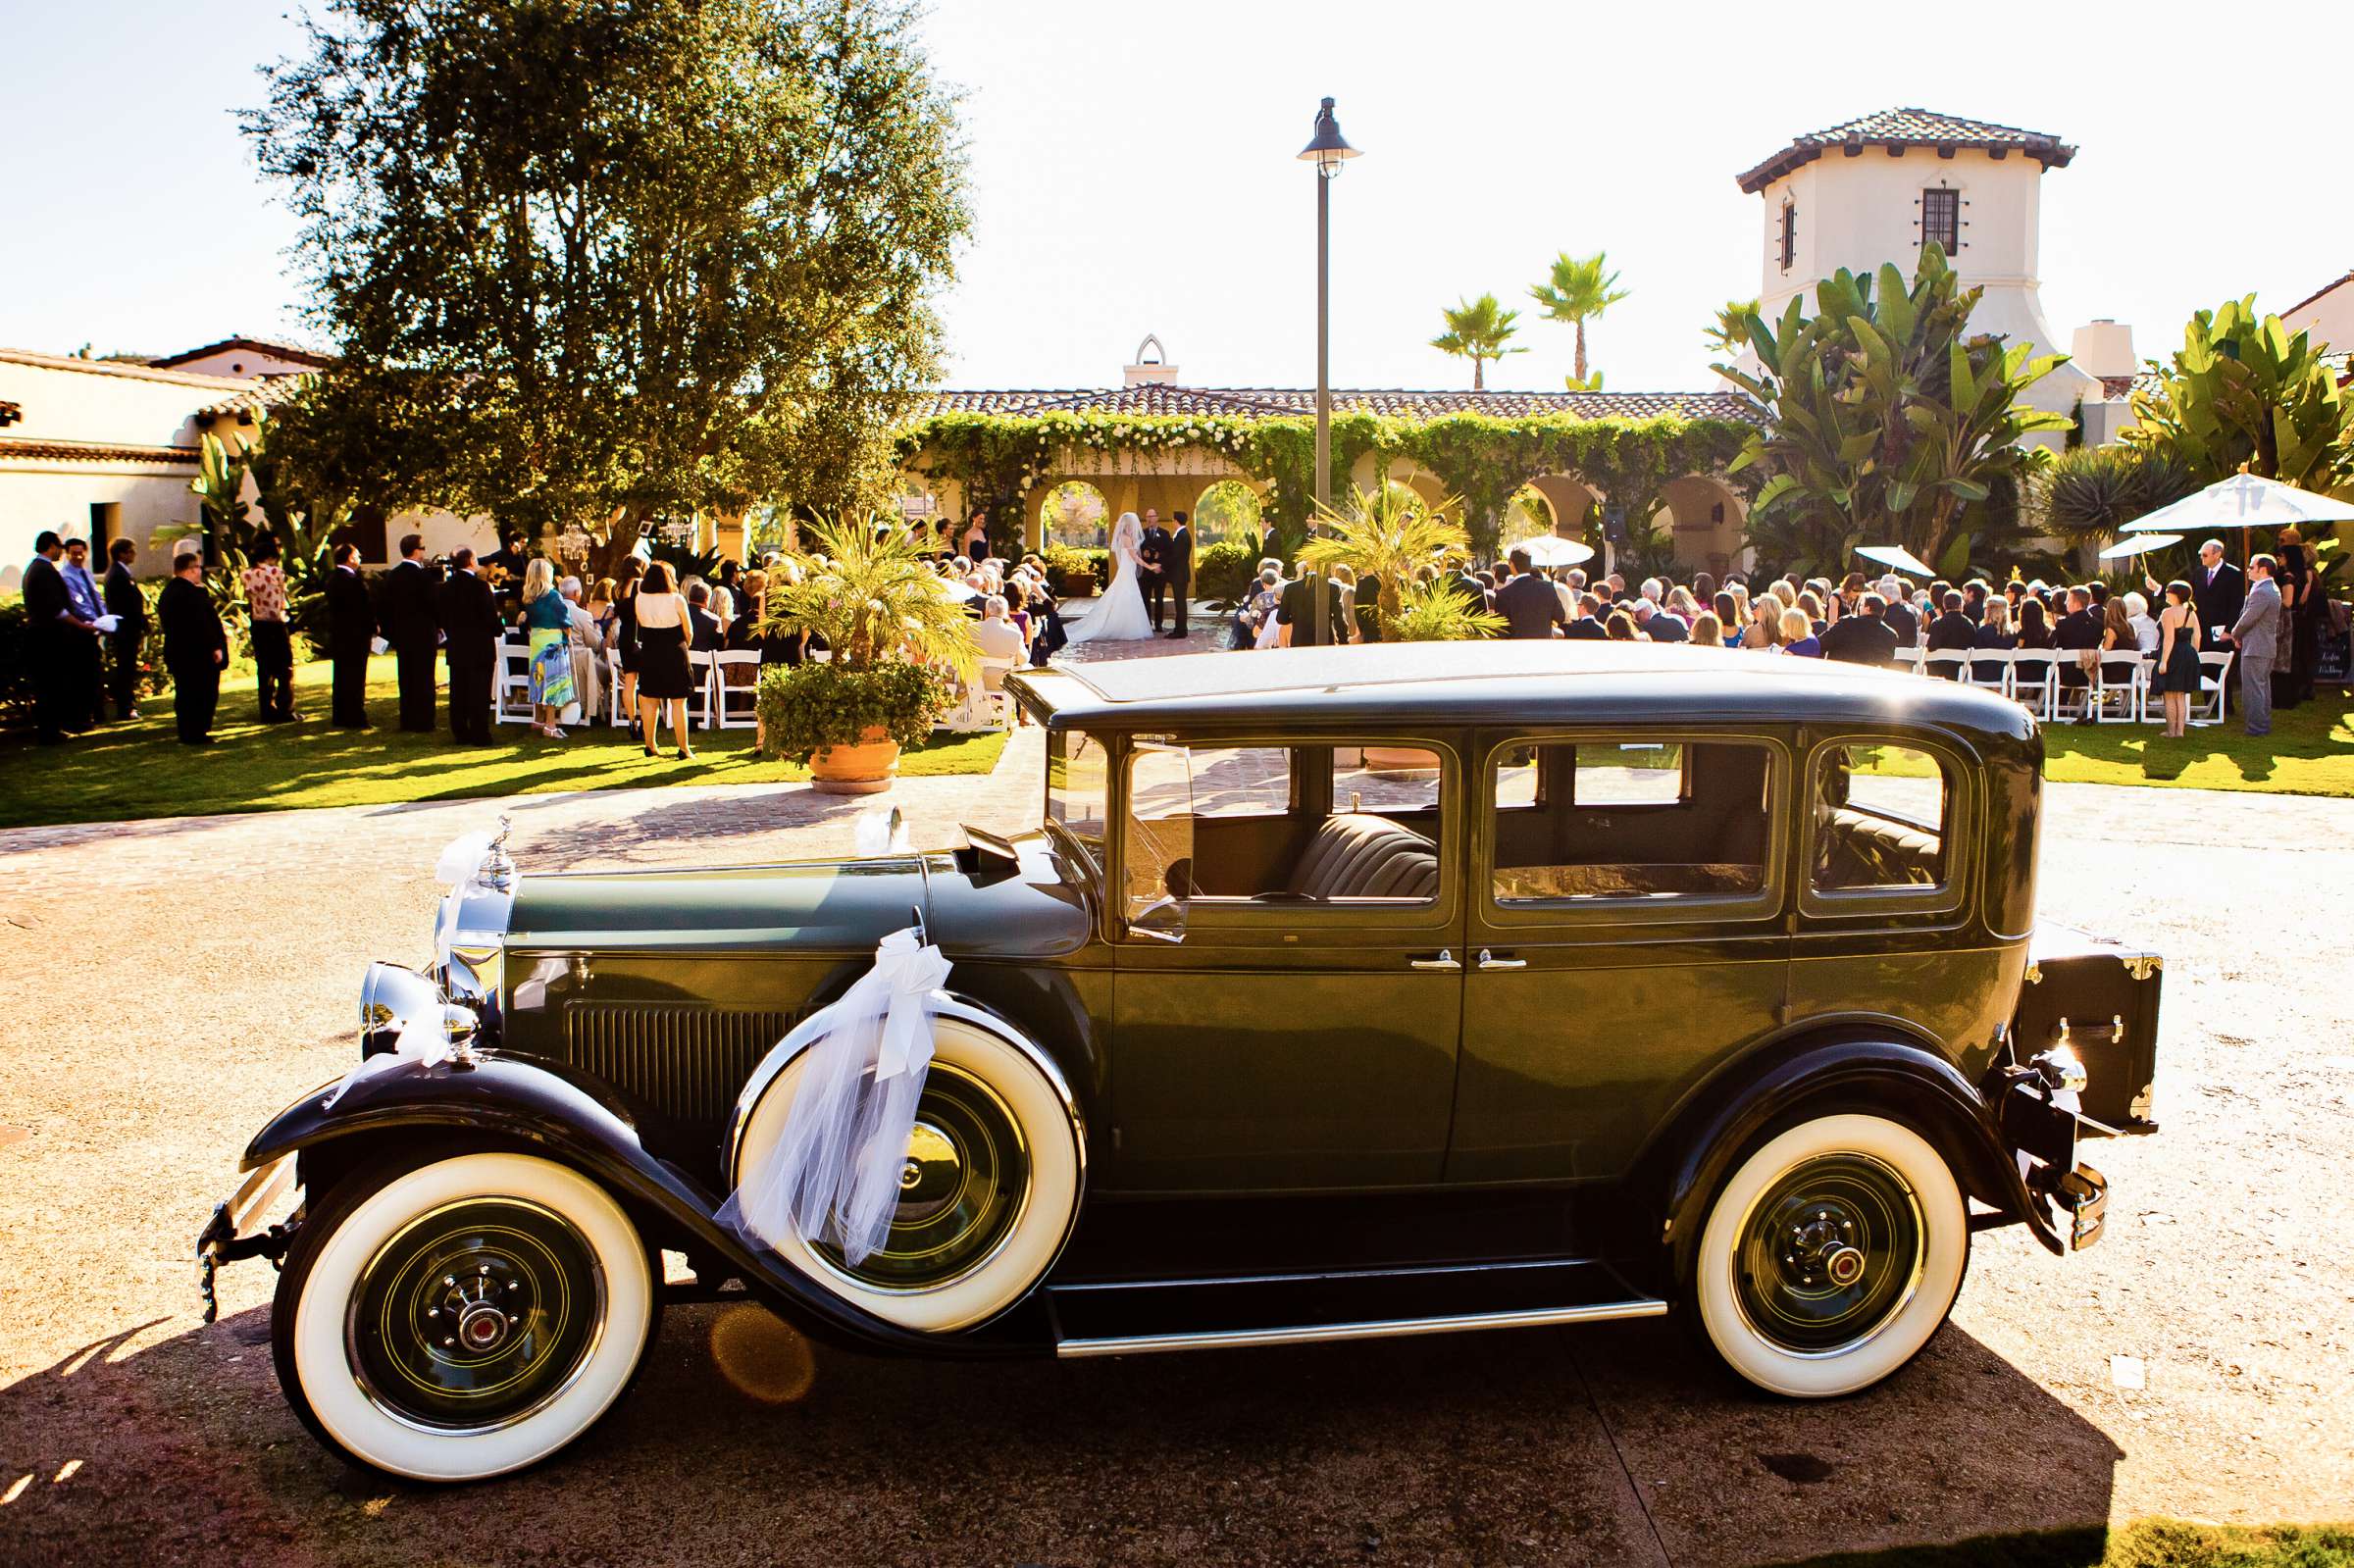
(1798, 635)
(1764, 629)
(547, 616)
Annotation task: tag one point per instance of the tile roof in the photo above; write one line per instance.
(260, 346)
(24, 446)
(1261, 402)
(258, 398)
(1900, 128)
(2329, 287)
(101, 367)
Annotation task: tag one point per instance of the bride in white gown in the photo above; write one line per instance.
(1119, 616)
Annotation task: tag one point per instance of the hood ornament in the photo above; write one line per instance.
(498, 867)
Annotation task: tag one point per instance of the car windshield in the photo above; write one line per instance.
(1078, 786)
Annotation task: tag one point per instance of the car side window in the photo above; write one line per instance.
(1631, 820)
(1326, 824)
(1881, 818)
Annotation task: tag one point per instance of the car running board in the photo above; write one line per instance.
(1140, 1317)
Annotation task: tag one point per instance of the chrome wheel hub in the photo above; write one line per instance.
(1829, 1253)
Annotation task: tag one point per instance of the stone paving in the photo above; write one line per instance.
(166, 986)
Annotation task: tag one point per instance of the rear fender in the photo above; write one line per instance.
(1854, 1068)
(540, 1107)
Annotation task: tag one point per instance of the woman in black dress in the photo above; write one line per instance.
(2178, 657)
(2298, 604)
(664, 677)
(625, 635)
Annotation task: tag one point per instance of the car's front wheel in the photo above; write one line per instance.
(1830, 1256)
(463, 1318)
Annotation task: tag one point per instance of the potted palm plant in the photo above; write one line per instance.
(892, 631)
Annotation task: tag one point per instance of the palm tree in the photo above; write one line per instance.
(1578, 291)
(1730, 335)
(870, 590)
(1477, 331)
(1391, 533)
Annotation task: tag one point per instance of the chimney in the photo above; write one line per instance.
(1146, 370)
(2104, 348)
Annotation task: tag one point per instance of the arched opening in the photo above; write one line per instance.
(1075, 513)
(1525, 516)
(1707, 518)
(1368, 470)
(1227, 510)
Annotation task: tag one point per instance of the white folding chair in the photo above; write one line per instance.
(738, 705)
(511, 698)
(2119, 699)
(1909, 659)
(2214, 687)
(992, 689)
(1989, 670)
(2036, 681)
(1947, 663)
(699, 705)
(615, 717)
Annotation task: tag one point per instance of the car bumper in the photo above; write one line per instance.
(2042, 1124)
(235, 1232)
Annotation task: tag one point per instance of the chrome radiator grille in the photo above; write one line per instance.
(687, 1063)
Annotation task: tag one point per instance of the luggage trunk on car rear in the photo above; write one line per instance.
(2106, 997)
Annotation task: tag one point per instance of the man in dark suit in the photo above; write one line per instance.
(704, 635)
(1901, 619)
(470, 631)
(1474, 590)
(411, 619)
(1588, 626)
(350, 628)
(1661, 625)
(128, 607)
(1295, 612)
(1177, 571)
(1152, 552)
(1865, 637)
(48, 624)
(2216, 588)
(1954, 632)
(2080, 629)
(196, 648)
(1530, 607)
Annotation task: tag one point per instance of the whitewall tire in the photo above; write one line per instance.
(1830, 1256)
(463, 1317)
(991, 1186)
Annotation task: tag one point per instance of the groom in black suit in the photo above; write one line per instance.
(1177, 571)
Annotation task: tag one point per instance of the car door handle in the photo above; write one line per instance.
(1488, 960)
(1444, 960)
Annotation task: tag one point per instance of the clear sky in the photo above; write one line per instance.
(1133, 169)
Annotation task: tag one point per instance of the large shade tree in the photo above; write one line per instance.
(598, 261)
(1886, 420)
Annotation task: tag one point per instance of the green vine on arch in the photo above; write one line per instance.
(998, 459)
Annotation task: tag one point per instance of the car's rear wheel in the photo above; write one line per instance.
(1830, 1256)
(988, 1192)
(461, 1318)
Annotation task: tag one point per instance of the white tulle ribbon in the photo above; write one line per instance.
(835, 1174)
(423, 1042)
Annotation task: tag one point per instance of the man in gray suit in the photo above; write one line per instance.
(2256, 634)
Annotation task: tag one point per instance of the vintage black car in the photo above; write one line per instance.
(1339, 992)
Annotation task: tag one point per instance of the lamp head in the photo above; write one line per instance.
(1327, 148)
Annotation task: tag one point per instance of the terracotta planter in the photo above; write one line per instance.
(865, 769)
(1398, 762)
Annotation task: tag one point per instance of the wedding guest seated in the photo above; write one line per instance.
(2079, 631)
(1953, 631)
(704, 627)
(1588, 626)
(1798, 635)
(1707, 631)
(1994, 631)
(2145, 625)
(1863, 637)
(2034, 624)
(1659, 624)
(997, 637)
(2119, 636)
(1901, 619)
(1620, 628)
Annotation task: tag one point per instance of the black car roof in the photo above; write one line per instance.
(1515, 683)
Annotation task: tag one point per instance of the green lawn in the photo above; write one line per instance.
(119, 772)
(2309, 752)
(2151, 1543)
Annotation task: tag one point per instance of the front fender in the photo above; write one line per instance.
(1851, 1068)
(573, 1120)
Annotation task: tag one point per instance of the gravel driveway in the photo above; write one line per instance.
(166, 986)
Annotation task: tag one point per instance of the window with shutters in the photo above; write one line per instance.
(1941, 219)
(1789, 235)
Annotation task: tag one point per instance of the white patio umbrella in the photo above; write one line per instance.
(1897, 557)
(1551, 549)
(2126, 550)
(2243, 501)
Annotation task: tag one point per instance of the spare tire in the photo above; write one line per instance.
(988, 1195)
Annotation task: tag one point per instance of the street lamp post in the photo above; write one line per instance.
(1327, 149)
